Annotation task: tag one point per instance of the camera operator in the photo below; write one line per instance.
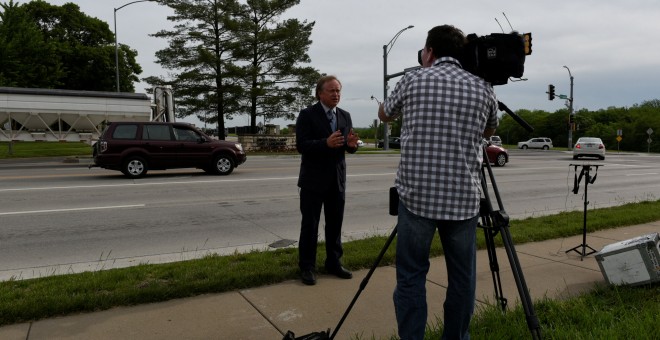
(446, 111)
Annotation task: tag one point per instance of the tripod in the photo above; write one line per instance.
(494, 222)
(497, 221)
(586, 168)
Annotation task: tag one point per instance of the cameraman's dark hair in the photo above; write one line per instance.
(446, 41)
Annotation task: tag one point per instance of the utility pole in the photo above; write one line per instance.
(571, 116)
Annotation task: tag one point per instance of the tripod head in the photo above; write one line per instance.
(584, 173)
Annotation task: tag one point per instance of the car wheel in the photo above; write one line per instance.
(223, 165)
(545, 147)
(524, 147)
(500, 160)
(134, 167)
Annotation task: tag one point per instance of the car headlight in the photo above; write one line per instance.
(239, 147)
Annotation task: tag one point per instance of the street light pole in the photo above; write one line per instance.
(116, 45)
(386, 50)
(571, 117)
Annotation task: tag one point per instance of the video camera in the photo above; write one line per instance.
(495, 57)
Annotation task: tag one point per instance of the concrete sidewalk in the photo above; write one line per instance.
(268, 312)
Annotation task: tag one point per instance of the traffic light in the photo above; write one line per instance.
(571, 119)
(551, 92)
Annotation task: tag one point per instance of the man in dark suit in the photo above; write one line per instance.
(324, 133)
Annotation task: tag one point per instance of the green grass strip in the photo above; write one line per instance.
(44, 149)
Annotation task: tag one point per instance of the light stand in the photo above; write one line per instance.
(116, 45)
(586, 168)
(571, 114)
(386, 51)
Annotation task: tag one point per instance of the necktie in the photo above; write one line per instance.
(333, 120)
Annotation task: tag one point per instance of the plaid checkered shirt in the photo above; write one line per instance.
(445, 111)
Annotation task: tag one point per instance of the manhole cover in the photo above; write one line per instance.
(282, 243)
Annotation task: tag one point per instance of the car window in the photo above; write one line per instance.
(589, 140)
(156, 132)
(128, 131)
(184, 134)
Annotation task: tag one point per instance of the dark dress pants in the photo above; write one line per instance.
(311, 202)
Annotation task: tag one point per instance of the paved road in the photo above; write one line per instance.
(64, 218)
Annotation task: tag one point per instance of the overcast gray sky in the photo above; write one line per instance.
(612, 48)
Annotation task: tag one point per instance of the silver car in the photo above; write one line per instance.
(589, 146)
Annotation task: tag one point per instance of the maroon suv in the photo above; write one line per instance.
(137, 147)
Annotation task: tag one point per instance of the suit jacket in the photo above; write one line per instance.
(321, 165)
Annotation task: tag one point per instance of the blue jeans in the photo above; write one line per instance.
(414, 236)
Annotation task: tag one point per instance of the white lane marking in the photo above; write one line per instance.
(174, 183)
(137, 184)
(71, 209)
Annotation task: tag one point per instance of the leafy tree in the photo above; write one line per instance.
(201, 51)
(272, 50)
(512, 132)
(26, 59)
(374, 131)
(650, 104)
(645, 116)
(604, 123)
(556, 127)
(85, 46)
(234, 58)
(61, 47)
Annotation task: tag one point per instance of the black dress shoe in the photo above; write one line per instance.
(308, 277)
(341, 272)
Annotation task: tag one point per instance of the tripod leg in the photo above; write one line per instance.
(364, 282)
(500, 220)
(489, 234)
(526, 300)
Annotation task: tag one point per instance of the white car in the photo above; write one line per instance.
(495, 140)
(544, 143)
(589, 146)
